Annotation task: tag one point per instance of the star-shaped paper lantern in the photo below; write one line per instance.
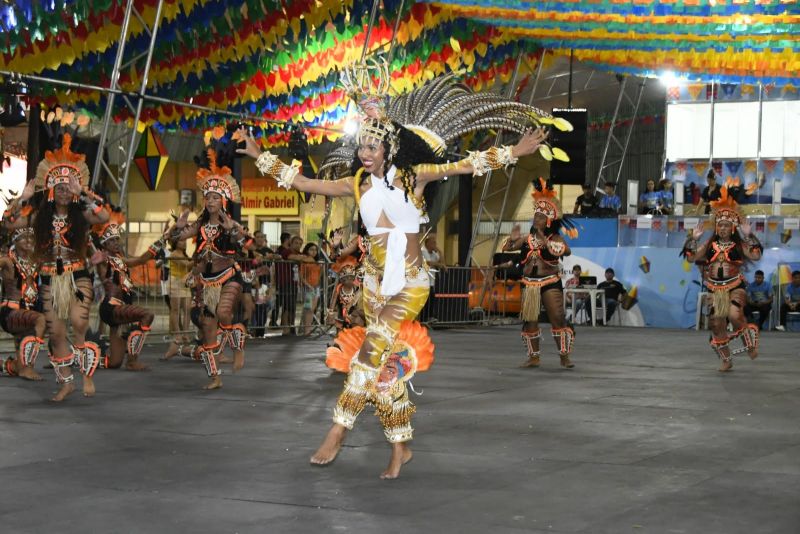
(151, 158)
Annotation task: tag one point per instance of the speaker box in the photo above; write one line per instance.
(574, 144)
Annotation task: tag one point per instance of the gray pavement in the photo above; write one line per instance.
(643, 436)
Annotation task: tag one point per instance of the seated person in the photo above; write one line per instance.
(586, 203)
(759, 298)
(580, 299)
(610, 203)
(791, 299)
(614, 291)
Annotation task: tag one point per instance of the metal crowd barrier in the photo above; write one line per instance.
(276, 286)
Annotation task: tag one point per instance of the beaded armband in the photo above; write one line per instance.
(494, 158)
(155, 247)
(271, 166)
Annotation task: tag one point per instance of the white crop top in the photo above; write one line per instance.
(405, 216)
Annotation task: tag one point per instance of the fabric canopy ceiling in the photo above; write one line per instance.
(278, 58)
(730, 41)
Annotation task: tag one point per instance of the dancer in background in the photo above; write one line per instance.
(725, 253)
(542, 250)
(117, 308)
(220, 240)
(17, 310)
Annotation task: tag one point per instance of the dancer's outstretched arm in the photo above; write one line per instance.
(479, 163)
(289, 176)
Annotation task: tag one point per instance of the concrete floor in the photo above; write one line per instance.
(643, 436)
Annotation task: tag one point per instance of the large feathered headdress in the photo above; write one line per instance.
(217, 180)
(59, 167)
(111, 228)
(726, 208)
(442, 111)
(345, 266)
(545, 201)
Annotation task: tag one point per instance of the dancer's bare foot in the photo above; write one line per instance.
(753, 353)
(327, 452)
(725, 366)
(238, 360)
(28, 373)
(565, 361)
(65, 390)
(224, 359)
(216, 383)
(88, 386)
(532, 361)
(172, 351)
(401, 455)
(133, 364)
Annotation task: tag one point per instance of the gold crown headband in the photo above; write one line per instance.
(382, 130)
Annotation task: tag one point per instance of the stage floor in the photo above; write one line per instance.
(644, 435)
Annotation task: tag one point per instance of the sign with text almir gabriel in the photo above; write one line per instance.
(270, 203)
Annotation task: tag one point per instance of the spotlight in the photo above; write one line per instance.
(669, 78)
(350, 127)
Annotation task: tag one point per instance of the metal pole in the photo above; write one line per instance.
(610, 131)
(538, 75)
(630, 130)
(758, 149)
(372, 14)
(569, 87)
(152, 98)
(113, 85)
(123, 188)
(487, 181)
(711, 133)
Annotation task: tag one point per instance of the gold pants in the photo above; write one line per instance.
(384, 315)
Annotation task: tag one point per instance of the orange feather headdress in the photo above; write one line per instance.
(726, 208)
(345, 266)
(59, 167)
(218, 180)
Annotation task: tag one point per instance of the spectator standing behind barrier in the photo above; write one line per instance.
(711, 191)
(263, 283)
(649, 200)
(286, 281)
(791, 299)
(759, 298)
(610, 203)
(614, 291)
(586, 203)
(432, 255)
(310, 275)
(580, 300)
